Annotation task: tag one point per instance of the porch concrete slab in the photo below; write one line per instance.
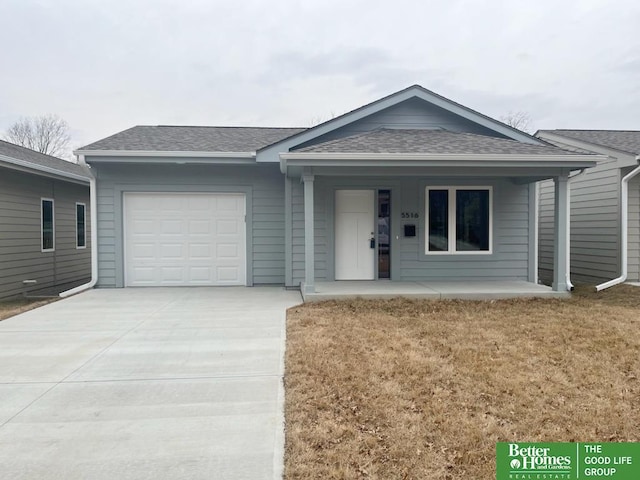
(146, 383)
(385, 289)
(382, 289)
(492, 290)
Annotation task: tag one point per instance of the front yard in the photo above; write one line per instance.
(424, 390)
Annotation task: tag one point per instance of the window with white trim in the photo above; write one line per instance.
(458, 220)
(81, 231)
(47, 225)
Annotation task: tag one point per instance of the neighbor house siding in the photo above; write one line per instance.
(263, 185)
(509, 260)
(21, 256)
(634, 230)
(413, 113)
(594, 225)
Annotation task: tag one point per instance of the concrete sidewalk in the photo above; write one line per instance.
(160, 383)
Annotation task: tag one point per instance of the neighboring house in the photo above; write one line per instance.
(595, 206)
(412, 187)
(44, 223)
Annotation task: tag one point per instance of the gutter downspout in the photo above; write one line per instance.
(568, 276)
(93, 199)
(624, 222)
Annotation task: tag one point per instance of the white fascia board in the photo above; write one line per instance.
(323, 158)
(35, 168)
(156, 153)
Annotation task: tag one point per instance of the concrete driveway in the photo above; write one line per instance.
(160, 383)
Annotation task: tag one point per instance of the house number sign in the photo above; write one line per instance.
(410, 215)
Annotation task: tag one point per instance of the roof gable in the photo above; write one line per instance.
(323, 131)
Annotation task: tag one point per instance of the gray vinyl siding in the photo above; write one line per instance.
(413, 113)
(634, 230)
(262, 184)
(21, 257)
(509, 259)
(595, 228)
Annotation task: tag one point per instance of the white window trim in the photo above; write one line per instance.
(452, 219)
(53, 224)
(84, 205)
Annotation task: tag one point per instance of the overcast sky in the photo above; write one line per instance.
(107, 65)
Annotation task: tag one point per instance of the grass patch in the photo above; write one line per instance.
(424, 389)
(9, 308)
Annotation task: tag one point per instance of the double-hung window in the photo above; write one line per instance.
(47, 225)
(81, 230)
(458, 220)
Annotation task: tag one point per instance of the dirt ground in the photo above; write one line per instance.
(9, 308)
(424, 389)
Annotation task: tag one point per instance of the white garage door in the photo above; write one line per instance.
(175, 239)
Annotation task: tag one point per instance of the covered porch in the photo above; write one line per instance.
(429, 290)
(462, 221)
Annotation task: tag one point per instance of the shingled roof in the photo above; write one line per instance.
(623, 140)
(25, 157)
(386, 140)
(166, 138)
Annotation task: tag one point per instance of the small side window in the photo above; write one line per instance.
(81, 231)
(47, 225)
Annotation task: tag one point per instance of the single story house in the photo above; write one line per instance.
(597, 202)
(45, 245)
(410, 188)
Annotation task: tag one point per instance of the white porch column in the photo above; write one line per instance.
(309, 236)
(561, 233)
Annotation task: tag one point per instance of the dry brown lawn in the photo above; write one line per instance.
(9, 308)
(424, 389)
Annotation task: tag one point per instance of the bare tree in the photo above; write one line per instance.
(520, 120)
(47, 134)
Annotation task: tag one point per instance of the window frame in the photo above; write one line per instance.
(53, 225)
(84, 222)
(451, 215)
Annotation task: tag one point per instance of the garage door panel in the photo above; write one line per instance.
(172, 227)
(228, 227)
(200, 251)
(199, 227)
(184, 239)
(144, 250)
(172, 251)
(227, 251)
(171, 275)
(227, 275)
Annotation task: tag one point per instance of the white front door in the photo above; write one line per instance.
(354, 228)
(184, 239)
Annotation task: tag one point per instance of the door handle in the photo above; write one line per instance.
(372, 242)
